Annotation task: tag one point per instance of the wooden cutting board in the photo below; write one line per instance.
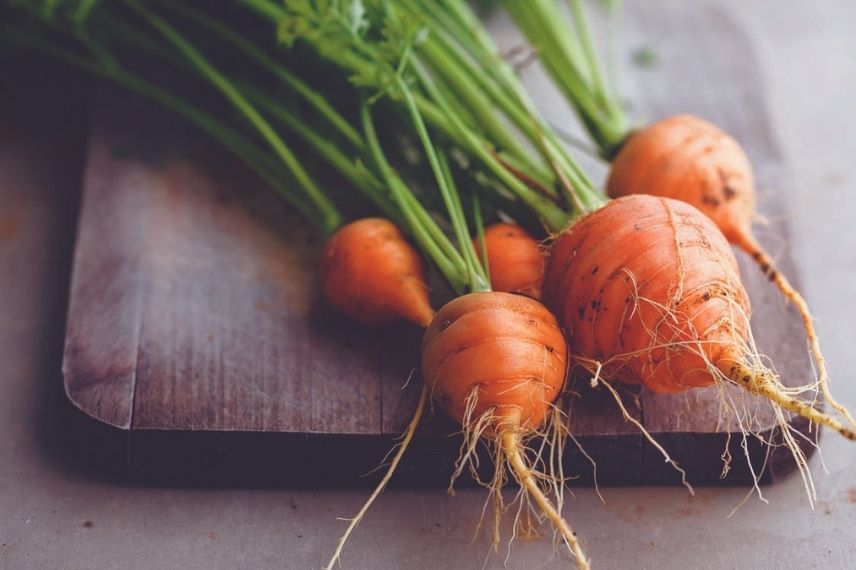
(198, 348)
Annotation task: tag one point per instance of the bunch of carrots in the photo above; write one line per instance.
(410, 106)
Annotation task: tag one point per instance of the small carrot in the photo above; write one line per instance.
(689, 159)
(369, 272)
(496, 362)
(515, 259)
(648, 288)
(494, 351)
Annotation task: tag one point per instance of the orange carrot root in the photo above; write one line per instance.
(649, 287)
(370, 273)
(509, 346)
(689, 159)
(495, 362)
(515, 259)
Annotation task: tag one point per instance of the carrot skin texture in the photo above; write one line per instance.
(369, 272)
(687, 158)
(502, 357)
(642, 284)
(510, 346)
(515, 259)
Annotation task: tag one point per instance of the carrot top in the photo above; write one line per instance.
(99, 39)
(567, 52)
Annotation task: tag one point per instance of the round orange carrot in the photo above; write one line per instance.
(648, 288)
(689, 159)
(495, 351)
(515, 259)
(369, 272)
(496, 362)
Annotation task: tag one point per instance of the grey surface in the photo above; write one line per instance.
(46, 499)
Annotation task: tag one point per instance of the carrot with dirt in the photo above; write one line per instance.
(674, 363)
(682, 157)
(581, 197)
(648, 292)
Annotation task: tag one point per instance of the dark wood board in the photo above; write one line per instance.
(199, 350)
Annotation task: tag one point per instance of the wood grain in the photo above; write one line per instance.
(197, 331)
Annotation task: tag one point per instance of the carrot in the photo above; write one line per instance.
(495, 351)
(649, 293)
(689, 159)
(496, 362)
(370, 273)
(514, 258)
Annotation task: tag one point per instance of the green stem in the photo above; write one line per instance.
(290, 80)
(467, 87)
(450, 270)
(527, 120)
(357, 174)
(548, 31)
(611, 104)
(332, 218)
(365, 65)
(476, 273)
(588, 50)
(326, 149)
(477, 281)
(478, 222)
(266, 166)
(553, 217)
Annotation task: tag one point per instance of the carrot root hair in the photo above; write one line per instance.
(396, 459)
(765, 261)
(512, 445)
(538, 471)
(748, 370)
(629, 418)
(764, 383)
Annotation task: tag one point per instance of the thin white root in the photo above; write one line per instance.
(402, 447)
(648, 436)
(566, 427)
(511, 446)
